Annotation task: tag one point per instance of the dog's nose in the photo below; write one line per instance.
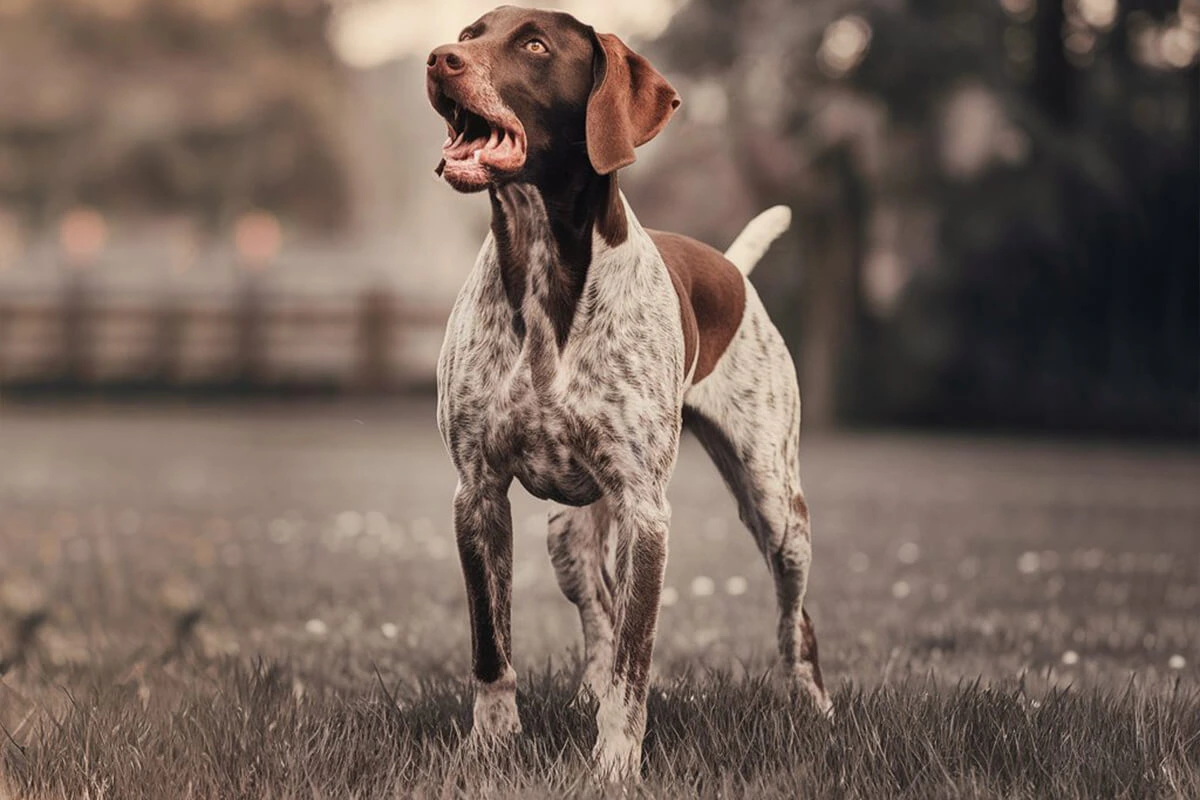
(447, 60)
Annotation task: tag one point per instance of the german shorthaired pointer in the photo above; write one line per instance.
(578, 348)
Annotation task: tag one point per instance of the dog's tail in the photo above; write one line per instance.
(752, 243)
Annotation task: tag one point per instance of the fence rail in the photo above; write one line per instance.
(75, 335)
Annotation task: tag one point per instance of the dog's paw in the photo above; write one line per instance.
(495, 726)
(821, 699)
(798, 686)
(806, 690)
(495, 713)
(620, 726)
(617, 758)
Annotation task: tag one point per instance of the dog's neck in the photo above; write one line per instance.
(579, 203)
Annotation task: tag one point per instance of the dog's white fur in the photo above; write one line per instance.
(596, 426)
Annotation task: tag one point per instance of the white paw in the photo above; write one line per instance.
(495, 714)
(617, 757)
(824, 704)
(800, 685)
(619, 730)
(804, 684)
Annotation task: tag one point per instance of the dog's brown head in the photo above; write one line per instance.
(525, 93)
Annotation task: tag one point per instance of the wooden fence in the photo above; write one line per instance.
(252, 335)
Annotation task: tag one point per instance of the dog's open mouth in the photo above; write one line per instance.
(479, 147)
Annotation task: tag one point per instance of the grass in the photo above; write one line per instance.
(267, 605)
(230, 730)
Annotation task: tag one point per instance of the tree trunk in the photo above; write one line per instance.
(1053, 76)
(833, 243)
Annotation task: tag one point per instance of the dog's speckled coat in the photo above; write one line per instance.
(596, 426)
(580, 346)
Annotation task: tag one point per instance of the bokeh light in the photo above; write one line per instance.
(844, 45)
(368, 34)
(258, 237)
(1022, 10)
(82, 235)
(1100, 14)
(1179, 45)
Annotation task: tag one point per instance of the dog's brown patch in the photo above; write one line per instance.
(712, 295)
(691, 331)
(800, 506)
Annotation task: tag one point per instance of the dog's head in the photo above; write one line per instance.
(526, 93)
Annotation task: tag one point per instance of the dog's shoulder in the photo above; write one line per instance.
(712, 295)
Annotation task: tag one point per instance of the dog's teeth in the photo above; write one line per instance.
(476, 156)
(494, 139)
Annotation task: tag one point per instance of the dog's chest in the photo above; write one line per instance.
(552, 415)
(538, 443)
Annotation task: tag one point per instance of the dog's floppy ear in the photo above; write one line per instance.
(629, 104)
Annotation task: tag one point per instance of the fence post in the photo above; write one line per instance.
(251, 333)
(77, 330)
(169, 330)
(375, 335)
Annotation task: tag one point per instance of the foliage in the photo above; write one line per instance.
(153, 107)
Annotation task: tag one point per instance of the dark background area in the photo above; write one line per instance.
(997, 202)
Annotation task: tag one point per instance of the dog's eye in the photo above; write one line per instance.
(535, 46)
(462, 37)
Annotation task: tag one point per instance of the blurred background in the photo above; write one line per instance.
(998, 201)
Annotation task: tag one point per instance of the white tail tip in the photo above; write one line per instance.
(754, 240)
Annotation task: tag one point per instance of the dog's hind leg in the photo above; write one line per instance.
(746, 413)
(578, 545)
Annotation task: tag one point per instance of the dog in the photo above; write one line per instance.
(579, 347)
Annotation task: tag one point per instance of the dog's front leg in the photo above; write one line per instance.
(642, 524)
(483, 530)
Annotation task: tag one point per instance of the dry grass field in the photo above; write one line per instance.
(266, 602)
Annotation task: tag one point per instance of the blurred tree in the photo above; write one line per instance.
(1053, 86)
(204, 108)
(997, 201)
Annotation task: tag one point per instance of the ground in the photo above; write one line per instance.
(266, 602)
